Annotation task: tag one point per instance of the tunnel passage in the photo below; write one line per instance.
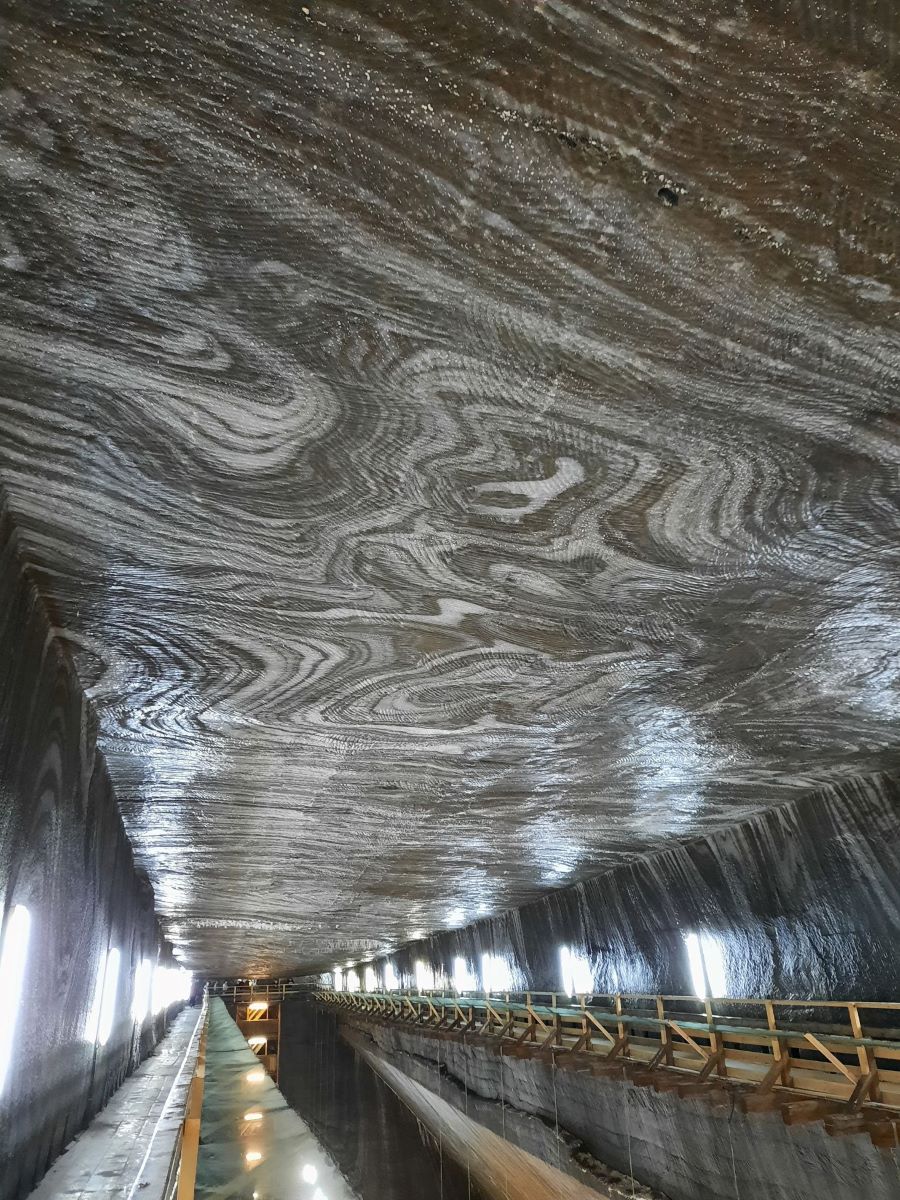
(449, 534)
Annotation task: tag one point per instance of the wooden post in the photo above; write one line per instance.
(715, 1041)
(777, 1050)
(664, 1035)
(867, 1064)
(621, 1023)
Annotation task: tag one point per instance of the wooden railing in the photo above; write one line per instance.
(845, 1055)
(243, 993)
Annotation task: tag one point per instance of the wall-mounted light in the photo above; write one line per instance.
(577, 974)
(171, 985)
(103, 1007)
(140, 997)
(391, 981)
(496, 974)
(253, 1115)
(463, 979)
(256, 1041)
(424, 977)
(309, 1174)
(13, 958)
(252, 1157)
(706, 959)
(256, 1075)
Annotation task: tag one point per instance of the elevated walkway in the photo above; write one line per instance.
(127, 1150)
(835, 1062)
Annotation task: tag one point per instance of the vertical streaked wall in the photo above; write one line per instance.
(802, 900)
(64, 855)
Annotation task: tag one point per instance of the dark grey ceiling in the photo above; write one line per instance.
(438, 513)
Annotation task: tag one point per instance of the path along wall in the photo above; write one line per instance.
(65, 857)
(802, 900)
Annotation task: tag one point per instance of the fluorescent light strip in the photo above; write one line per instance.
(13, 958)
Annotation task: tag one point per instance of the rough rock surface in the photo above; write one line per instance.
(682, 1147)
(65, 857)
(458, 440)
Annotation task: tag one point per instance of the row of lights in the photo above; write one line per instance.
(706, 960)
(253, 1157)
(155, 988)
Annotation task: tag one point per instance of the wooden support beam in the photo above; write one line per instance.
(664, 1033)
(862, 1090)
(804, 1112)
(599, 1025)
(884, 1134)
(713, 1063)
(835, 1062)
(618, 1046)
(704, 1054)
(867, 1063)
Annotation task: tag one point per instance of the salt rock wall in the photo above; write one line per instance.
(682, 1148)
(802, 901)
(65, 856)
(466, 430)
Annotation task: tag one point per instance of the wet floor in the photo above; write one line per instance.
(252, 1145)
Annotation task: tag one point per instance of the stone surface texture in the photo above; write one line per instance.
(800, 901)
(458, 442)
(682, 1147)
(65, 857)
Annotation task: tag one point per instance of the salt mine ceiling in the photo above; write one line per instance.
(457, 442)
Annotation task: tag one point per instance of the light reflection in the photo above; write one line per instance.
(707, 962)
(424, 977)
(309, 1173)
(496, 974)
(391, 982)
(171, 985)
(463, 979)
(103, 1007)
(13, 957)
(143, 982)
(577, 974)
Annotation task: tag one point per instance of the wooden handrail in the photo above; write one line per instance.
(189, 1145)
(845, 1063)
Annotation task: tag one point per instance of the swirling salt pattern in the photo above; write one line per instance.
(434, 516)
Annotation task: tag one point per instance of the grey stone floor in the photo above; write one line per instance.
(126, 1150)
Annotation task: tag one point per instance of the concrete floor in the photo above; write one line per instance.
(128, 1146)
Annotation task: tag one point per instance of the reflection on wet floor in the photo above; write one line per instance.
(252, 1145)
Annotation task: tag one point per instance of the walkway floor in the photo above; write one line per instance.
(127, 1148)
(252, 1144)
